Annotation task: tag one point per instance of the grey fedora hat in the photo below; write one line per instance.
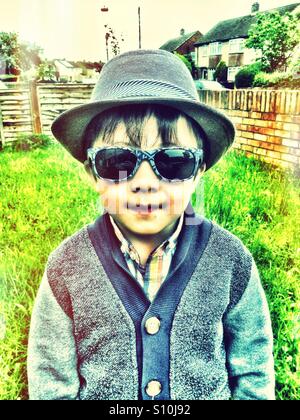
(145, 76)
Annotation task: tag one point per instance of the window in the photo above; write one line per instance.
(215, 48)
(232, 71)
(204, 74)
(236, 45)
(205, 51)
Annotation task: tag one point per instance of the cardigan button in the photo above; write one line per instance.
(153, 388)
(152, 325)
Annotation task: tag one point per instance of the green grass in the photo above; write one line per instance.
(45, 197)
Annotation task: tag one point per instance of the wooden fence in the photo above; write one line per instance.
(56, 98)
(15, 113)
(267, 121)
(27, 109)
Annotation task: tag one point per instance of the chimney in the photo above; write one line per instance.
(182, 32)
(255, 7)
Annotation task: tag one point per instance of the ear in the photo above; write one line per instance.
(96, 183)
(199, 173)
(90, 173)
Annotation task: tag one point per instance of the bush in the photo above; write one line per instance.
(28, 142)
(276, 80)
(193, 70)
(245, 77)
(46, 71)
(221, 72)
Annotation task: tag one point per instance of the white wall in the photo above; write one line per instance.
(250, 55)
(202, 61)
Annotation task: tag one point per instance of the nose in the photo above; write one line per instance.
(145, 180)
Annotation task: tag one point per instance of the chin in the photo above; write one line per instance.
(144, 227)
(149, 226)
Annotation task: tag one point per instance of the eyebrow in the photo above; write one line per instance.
(129, 145)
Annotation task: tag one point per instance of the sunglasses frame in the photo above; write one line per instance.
(142, 155)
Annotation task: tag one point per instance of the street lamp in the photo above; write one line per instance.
(104, 9)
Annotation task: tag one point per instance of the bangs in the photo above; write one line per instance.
(134, 118)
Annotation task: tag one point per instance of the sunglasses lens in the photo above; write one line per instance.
(115, 163)
(175, 164)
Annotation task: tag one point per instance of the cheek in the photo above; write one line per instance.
(115, 196)
(112, 195)
(101, 187)
(179, 196)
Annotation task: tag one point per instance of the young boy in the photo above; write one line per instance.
(152, 301)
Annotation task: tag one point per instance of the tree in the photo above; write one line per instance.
(114, 42)
(18, 56)
(10, 52)
(276, 36)
(294, 65)
(185, 60)
(30, 55)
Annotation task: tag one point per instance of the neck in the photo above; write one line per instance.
(145, 244)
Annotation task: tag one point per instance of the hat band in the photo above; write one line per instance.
(141, 88)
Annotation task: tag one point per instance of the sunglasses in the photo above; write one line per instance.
(169, 164)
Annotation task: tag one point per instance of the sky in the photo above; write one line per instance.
(74, 29)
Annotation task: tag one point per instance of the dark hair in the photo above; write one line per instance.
(134, 118)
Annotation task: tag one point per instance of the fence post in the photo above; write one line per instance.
(2, 138)
(35, 108)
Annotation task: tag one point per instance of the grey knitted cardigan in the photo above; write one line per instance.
(87, 337)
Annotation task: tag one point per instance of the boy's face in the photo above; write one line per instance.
(122, 200)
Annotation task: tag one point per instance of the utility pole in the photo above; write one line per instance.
(140, 32)
(106, 43)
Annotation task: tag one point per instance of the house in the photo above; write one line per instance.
(226, 42)
(184, 44)
(67, 72)
(89, 70)
(77, 71)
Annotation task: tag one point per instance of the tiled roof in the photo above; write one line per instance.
(237, 27)
(175, 43)
(65, 63)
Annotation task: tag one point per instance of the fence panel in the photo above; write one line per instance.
(15, 113)
(54, 99)
(267, 121)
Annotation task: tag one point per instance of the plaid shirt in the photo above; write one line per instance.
(152, 275)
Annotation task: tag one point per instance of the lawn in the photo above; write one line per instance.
(45, 197)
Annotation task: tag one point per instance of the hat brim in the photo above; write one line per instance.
(69, 127)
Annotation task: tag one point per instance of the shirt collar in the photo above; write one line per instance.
(127, 247)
